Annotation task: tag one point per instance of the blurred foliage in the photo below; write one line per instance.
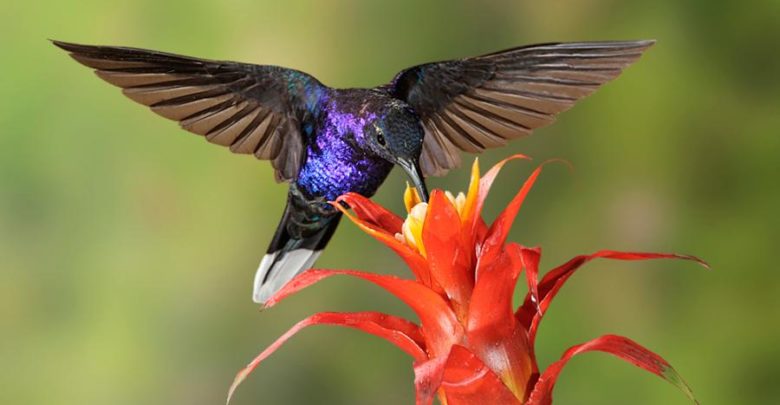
(127, 246)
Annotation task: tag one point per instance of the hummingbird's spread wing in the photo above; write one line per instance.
(482, 102)
(253, 109)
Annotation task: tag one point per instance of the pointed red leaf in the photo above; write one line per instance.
(491, 301)
(493, 334)
(619, 346)
(477, 224)
(373, 213)
(467, 380)
(447, 258)
(496, 235)
(428, 376)
(463, 378)
(439, 323)
(397, 331)
(530, 258)
(551, 283)
(417, 264)
(486, 182)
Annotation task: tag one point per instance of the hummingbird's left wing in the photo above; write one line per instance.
(482, 102)
(252, 109)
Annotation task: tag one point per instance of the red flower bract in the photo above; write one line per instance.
(471, 346)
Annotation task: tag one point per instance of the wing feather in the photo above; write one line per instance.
(252, 109)
(478, 103)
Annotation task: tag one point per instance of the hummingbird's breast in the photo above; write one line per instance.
(335, 161)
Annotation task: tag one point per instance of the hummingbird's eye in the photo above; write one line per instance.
(380, 135)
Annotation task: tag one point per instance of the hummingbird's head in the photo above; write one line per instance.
(397, 136)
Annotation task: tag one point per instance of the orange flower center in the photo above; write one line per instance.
(412, 229)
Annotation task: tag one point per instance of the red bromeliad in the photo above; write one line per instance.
(471, 346)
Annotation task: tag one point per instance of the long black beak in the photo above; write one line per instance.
(412, 169)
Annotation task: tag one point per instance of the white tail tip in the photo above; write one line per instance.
(278, 270)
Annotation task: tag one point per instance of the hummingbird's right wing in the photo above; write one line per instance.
(482, 102)
(252, 109)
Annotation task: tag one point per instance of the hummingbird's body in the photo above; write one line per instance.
(337, 159)
(326, 142)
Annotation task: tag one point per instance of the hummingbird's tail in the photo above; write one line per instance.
(294, 248)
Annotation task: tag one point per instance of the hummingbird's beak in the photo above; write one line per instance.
(412, 169)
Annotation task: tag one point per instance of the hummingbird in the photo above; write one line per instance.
(327, 141)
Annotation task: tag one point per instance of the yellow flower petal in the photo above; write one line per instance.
(450, 197)
(411, 198)
(457, 202)
(460, 204)
(464, 204)
(412, 227)
(471, 197)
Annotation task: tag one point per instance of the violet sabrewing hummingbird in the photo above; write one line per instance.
(326, 142)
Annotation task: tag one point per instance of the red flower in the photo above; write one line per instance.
(471, 345)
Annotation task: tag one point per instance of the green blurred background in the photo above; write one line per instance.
(128, 247)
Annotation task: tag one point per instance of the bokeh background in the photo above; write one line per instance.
(127, 246)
